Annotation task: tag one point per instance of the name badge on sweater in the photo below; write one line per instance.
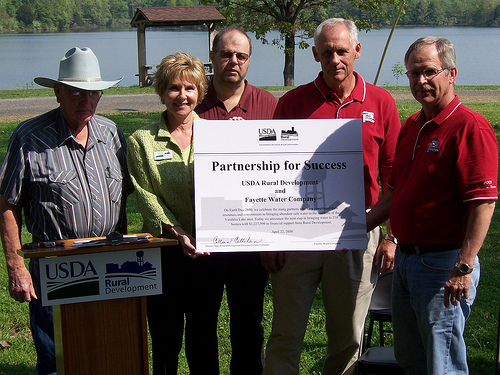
(163, 155)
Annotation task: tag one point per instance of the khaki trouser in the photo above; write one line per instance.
(347, 280)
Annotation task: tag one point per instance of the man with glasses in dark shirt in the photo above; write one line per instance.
(67, 170)
(231, 97)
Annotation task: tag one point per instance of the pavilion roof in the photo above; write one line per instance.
(173, 16)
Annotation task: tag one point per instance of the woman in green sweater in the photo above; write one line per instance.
(160, 158)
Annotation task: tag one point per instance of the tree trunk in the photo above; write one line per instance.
(289, 69)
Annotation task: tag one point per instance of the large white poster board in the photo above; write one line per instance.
(272, 185)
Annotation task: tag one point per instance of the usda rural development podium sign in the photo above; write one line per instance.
(100, 276)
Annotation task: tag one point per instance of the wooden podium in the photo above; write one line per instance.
(108, 334)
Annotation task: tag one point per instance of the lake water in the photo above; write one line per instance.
(25, 56)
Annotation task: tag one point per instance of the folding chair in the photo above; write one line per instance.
(379, 359)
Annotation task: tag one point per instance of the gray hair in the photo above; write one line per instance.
(332, 22)
(445, 49)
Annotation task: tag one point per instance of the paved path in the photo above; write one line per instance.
(21, 109)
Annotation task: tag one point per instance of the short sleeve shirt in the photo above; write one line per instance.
(441, 166)
(45, 171)
(373, 105)
(255, 104)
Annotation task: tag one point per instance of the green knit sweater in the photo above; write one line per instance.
(162, 175)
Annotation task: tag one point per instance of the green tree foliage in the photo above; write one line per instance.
(119, 13)
(64, 14)
(288, 16)
(398, 70)
(452, 13)
(11, 6)
(94, 12)
(54, 13)
(25, 14)
(296, 20)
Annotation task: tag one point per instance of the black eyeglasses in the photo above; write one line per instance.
(81, 94)
(429, 74)
(241, 57)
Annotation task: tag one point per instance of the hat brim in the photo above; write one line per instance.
(84, 85)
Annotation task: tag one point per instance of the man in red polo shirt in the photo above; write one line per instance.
(231, 97)
(441, 199)
(347, 279)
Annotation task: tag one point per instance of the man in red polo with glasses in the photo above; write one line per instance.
(441, 199)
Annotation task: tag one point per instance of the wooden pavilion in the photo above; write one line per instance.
(170, 16)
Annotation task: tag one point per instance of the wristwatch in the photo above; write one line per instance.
(463, 267)
(393, 239)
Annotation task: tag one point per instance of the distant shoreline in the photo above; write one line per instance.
(182, 28)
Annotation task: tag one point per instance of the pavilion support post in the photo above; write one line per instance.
(141, 54)
(211, 35)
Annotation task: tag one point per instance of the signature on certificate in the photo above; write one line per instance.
(235, 240)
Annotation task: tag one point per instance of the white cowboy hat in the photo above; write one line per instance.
(79, 68)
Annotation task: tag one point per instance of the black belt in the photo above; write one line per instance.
(420, 249)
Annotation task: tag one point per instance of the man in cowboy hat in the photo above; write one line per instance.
(67, 169)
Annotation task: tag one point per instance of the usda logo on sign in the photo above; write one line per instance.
(100, 276)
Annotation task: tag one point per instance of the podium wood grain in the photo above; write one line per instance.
(114, 333)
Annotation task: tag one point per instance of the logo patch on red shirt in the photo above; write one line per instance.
(489, 184)
(368, 116)
(433, 147)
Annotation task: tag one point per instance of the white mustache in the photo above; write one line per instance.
(425, 87)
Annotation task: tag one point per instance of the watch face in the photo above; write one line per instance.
(464, 267)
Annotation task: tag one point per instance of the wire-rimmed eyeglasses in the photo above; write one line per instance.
(429, 74)
(241, 57)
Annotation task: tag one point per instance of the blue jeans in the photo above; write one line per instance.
(428, 337)
(42, 328)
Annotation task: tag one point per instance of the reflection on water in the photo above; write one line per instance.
(25, 56)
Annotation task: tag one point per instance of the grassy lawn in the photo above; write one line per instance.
(39, 92)
(18, 357)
